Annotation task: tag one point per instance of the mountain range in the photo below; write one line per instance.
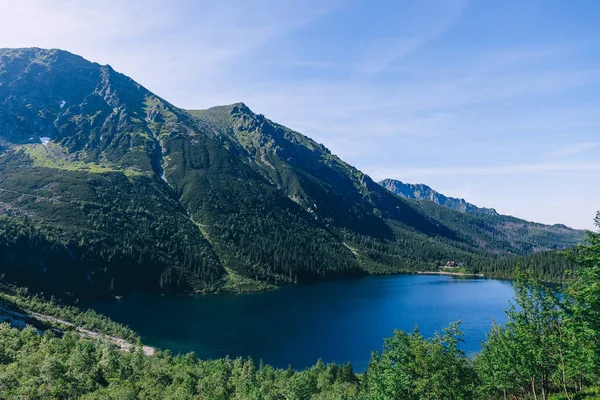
(423, 192)
(107, 189)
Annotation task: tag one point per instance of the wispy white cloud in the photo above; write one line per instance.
(389, 36)
(574, 149)
(418, 28)
(169, 47)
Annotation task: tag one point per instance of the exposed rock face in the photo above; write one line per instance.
(424, 192)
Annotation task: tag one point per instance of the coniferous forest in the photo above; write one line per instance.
(548, 349)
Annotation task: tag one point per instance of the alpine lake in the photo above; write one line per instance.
(336, 321)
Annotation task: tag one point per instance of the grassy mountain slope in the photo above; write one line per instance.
(107, 189)
(94, 211)
(256, 230)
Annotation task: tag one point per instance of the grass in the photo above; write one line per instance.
(235, 283)
(55, 156)
(587, 394)
(455, 270)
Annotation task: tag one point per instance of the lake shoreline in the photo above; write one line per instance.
(451, 274)
(267, 287)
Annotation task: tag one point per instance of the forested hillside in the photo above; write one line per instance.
(107, 189)
(548, 349)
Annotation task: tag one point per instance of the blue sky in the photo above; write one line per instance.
(494, 101)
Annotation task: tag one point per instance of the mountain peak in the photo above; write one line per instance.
(239, 104)
(234, 107)
(421, 191)
(42, 56)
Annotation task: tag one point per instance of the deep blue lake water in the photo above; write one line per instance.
(340, 321)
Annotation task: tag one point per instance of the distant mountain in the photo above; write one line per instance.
(514, 229)
(424, 192)
(106, 189)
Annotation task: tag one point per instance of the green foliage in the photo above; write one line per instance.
(240, 284)
(584, 294)
(22, 301)
(546, 350)
(55, 156)
(44, 366)
(548, 266)
(411, 367)
(105, 234)
(550, 343)
(257, 231)
(503, 234)
(525, 354)
(134, 194)
(385, 233)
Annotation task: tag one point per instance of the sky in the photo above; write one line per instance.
(497, 102)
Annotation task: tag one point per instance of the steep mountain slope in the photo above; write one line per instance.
(80, 219)
(321, 183)
(350, 202)
(424, 192)
(106, 188)
(92, 209)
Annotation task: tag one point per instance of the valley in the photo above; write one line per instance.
(130, 194)
(299, 200)
(115, 200)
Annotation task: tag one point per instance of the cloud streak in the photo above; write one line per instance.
(424, 25)
(575, 149)
(170, 48)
